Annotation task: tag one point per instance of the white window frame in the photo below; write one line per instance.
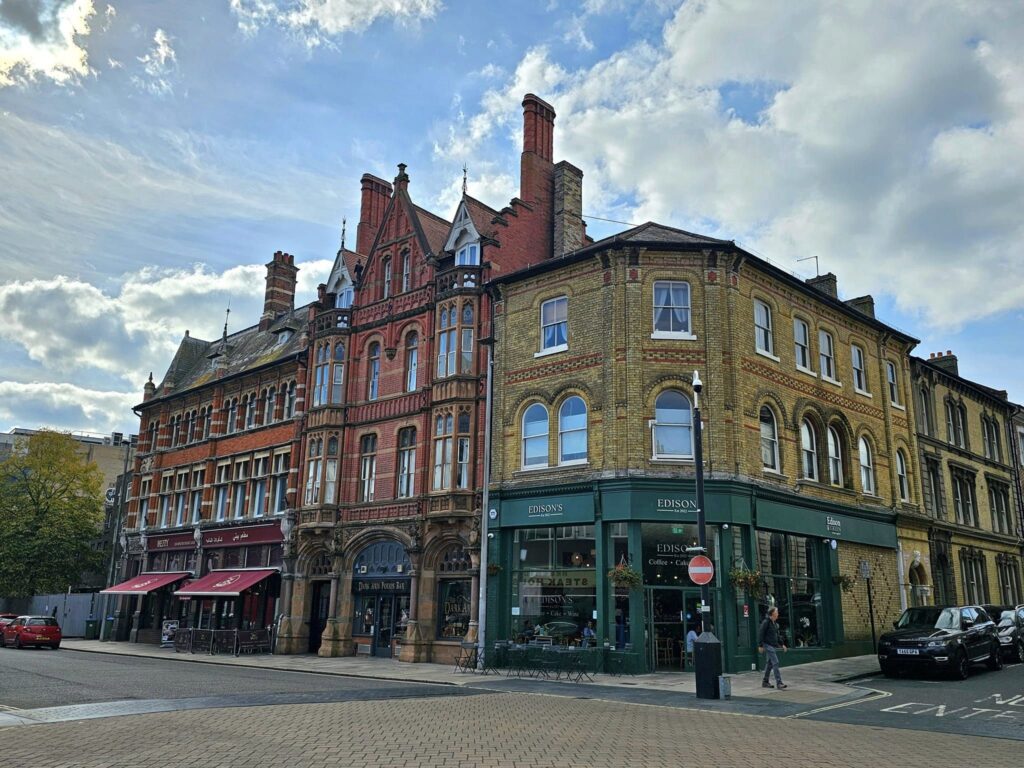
(867, 468)
(772, 440)
(894, 390)
(407, 465)
(468, 256)
(656, 333)
(835, 457)
(556, 303)
(827, 357)
(858, 360)
(764, 333)
(563, 432)
(534, 438)
(902, 482)
(802, 347)
(406, 271)
(808, 451)
(655, 425)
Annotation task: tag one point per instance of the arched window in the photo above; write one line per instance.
(894, 389)
(175, 431)
(250, 411)
(672, 426)
(860, 371)
(535, 437)
(373, 372)
(867, 468)
(901, 476)
(407, 462)
(411, 361)
(191, 427)
(232, 416)
(270, 406)
(290, 401)
(763, 338)
(406, 271)
(769, 439)
(808, 450)
(925, 411)
(151, 436)
(835, 457)
(572, 431)
(338, 374)
(827, 355)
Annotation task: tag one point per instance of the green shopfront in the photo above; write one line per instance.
(554, 546)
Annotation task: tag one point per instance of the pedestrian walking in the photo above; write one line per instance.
(768, 640)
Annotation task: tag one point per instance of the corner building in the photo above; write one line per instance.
(808, 449)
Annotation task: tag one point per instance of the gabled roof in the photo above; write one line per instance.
(197, 361)
(651, 232)
(435, 229)
(482, 216)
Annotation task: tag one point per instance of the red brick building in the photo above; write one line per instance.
(372, 453)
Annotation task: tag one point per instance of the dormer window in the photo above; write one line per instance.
(468, 256)
(344, 298)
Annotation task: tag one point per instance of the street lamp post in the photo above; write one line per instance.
(707, 662)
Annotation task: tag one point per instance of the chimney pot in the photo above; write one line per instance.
(949, 352)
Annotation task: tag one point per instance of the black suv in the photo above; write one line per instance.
(944, 639)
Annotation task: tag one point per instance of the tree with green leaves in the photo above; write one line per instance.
(51, 507)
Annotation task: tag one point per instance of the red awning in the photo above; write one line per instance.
(145, 583)
(225, 583)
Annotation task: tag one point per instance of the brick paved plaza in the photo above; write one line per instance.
(486, 730)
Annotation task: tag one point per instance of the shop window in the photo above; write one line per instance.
(790, 566)
(672, 426)
(554, 580)
(453, 594)
(535, 437)
(769, 439)
(572, 431)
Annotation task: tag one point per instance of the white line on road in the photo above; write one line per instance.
(877, 695)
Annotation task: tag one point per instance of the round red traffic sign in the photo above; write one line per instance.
(701, 570)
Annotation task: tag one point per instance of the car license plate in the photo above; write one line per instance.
(907, 651)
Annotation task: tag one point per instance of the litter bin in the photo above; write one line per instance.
(707, 665)
(92, 629)
(109, 633)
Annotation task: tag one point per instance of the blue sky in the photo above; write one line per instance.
(156, 154)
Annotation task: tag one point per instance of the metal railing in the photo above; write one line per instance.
(221, 641)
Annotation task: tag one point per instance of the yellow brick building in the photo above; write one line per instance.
(964, 544)
(809, 450)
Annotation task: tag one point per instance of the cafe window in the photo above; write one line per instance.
(793, 585)
(454, 594)
(554, 581)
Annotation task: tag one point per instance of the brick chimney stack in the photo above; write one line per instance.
(946, 362)
(375, 199)
(569, 230)
(826, 283)
(280, 295)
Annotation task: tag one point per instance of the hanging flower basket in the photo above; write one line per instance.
(493, 569)
(752, 582)
(843, 581)
(623, 575)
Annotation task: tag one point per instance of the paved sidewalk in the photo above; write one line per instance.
(812, 683)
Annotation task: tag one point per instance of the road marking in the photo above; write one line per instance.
(866, 700)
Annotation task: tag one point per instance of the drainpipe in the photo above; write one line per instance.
(486, 499)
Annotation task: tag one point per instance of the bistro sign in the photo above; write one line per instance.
(380, 585)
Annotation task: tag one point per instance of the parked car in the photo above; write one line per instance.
(940, 639)
(1010, 626)
(32, 630)
(5, 619)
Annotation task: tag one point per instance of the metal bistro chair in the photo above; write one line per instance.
(519, 662)
(493, 660)
(466, 661)
(549, 663)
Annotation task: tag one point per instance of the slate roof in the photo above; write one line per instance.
(651, 232)
(482, 216)
(197, 362)
(435, 229)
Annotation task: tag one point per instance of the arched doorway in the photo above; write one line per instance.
(380, 590)
(320, 602)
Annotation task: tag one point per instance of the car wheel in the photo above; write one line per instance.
(995, 661)
(56, 646)
(889, 671)
(962, 668)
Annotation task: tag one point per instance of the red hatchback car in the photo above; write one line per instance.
(32, 630)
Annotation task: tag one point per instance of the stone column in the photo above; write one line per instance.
(330, 643)
(414, 647)
(287, 624)
(473, 631)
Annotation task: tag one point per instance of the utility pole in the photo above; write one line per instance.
(122, 500)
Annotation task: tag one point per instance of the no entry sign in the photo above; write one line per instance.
(701, 570)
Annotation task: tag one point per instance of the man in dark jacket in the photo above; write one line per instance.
(767, 641)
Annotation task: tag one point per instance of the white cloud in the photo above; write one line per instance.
(316, 22)
(77, 333)
(160, 66)
(65, 406)
(44, 39)
(886, 138)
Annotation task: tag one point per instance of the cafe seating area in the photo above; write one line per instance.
(543, 659)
